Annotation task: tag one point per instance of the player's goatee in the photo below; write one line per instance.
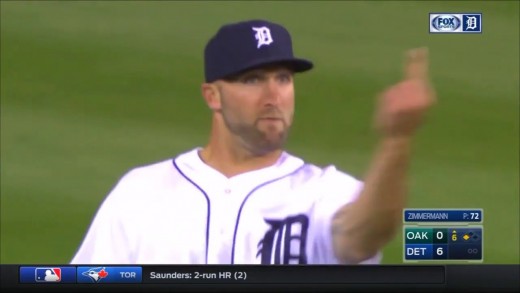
(261, 139)
(272, 136)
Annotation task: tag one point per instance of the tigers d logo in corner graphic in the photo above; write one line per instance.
(285, 241)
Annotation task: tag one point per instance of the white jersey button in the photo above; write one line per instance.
(227, 190)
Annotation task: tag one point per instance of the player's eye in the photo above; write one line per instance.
(251, 79)
(285, 77)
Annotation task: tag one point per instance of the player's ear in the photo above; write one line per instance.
(211, 95)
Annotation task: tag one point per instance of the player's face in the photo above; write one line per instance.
(258, 106)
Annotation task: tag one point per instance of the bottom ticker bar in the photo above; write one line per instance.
(434, 274)
(369, 278)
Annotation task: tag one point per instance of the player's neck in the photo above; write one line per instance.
(231, 159)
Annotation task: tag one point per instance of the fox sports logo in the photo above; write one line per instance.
(446, 23)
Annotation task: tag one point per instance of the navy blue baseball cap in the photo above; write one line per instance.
(240, 46)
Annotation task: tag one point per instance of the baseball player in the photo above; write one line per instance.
(242, 199)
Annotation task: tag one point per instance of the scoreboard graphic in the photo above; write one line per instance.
(445, 234)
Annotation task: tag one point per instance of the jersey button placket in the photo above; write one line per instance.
(224, 229)
(227, 192)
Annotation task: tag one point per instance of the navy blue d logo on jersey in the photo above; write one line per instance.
(285, 241)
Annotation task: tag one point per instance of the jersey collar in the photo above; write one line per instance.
(192, 165)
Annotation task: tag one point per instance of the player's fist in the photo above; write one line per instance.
(401, 108)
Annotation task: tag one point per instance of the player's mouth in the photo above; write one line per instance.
(271, 118)
(271, 121)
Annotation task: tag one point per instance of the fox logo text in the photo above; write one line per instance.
(446, 23)
(456, 23)
(47, 275)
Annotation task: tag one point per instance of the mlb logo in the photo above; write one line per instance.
(443, 23)
(47, 275)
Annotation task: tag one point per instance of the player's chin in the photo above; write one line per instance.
(269, 142)
(273, 131)
(275, 139)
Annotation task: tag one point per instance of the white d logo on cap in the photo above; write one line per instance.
(263, 36)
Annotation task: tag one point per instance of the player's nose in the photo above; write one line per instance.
(272, 92)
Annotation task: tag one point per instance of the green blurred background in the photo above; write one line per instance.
(92, 89)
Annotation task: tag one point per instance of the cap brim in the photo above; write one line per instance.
(295, 64)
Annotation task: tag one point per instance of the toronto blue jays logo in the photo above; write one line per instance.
(285, 241)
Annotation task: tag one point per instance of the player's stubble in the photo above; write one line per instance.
(257, 134)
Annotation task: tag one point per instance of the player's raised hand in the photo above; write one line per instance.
(401, 107)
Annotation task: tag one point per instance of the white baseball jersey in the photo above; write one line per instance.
(183, 211)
